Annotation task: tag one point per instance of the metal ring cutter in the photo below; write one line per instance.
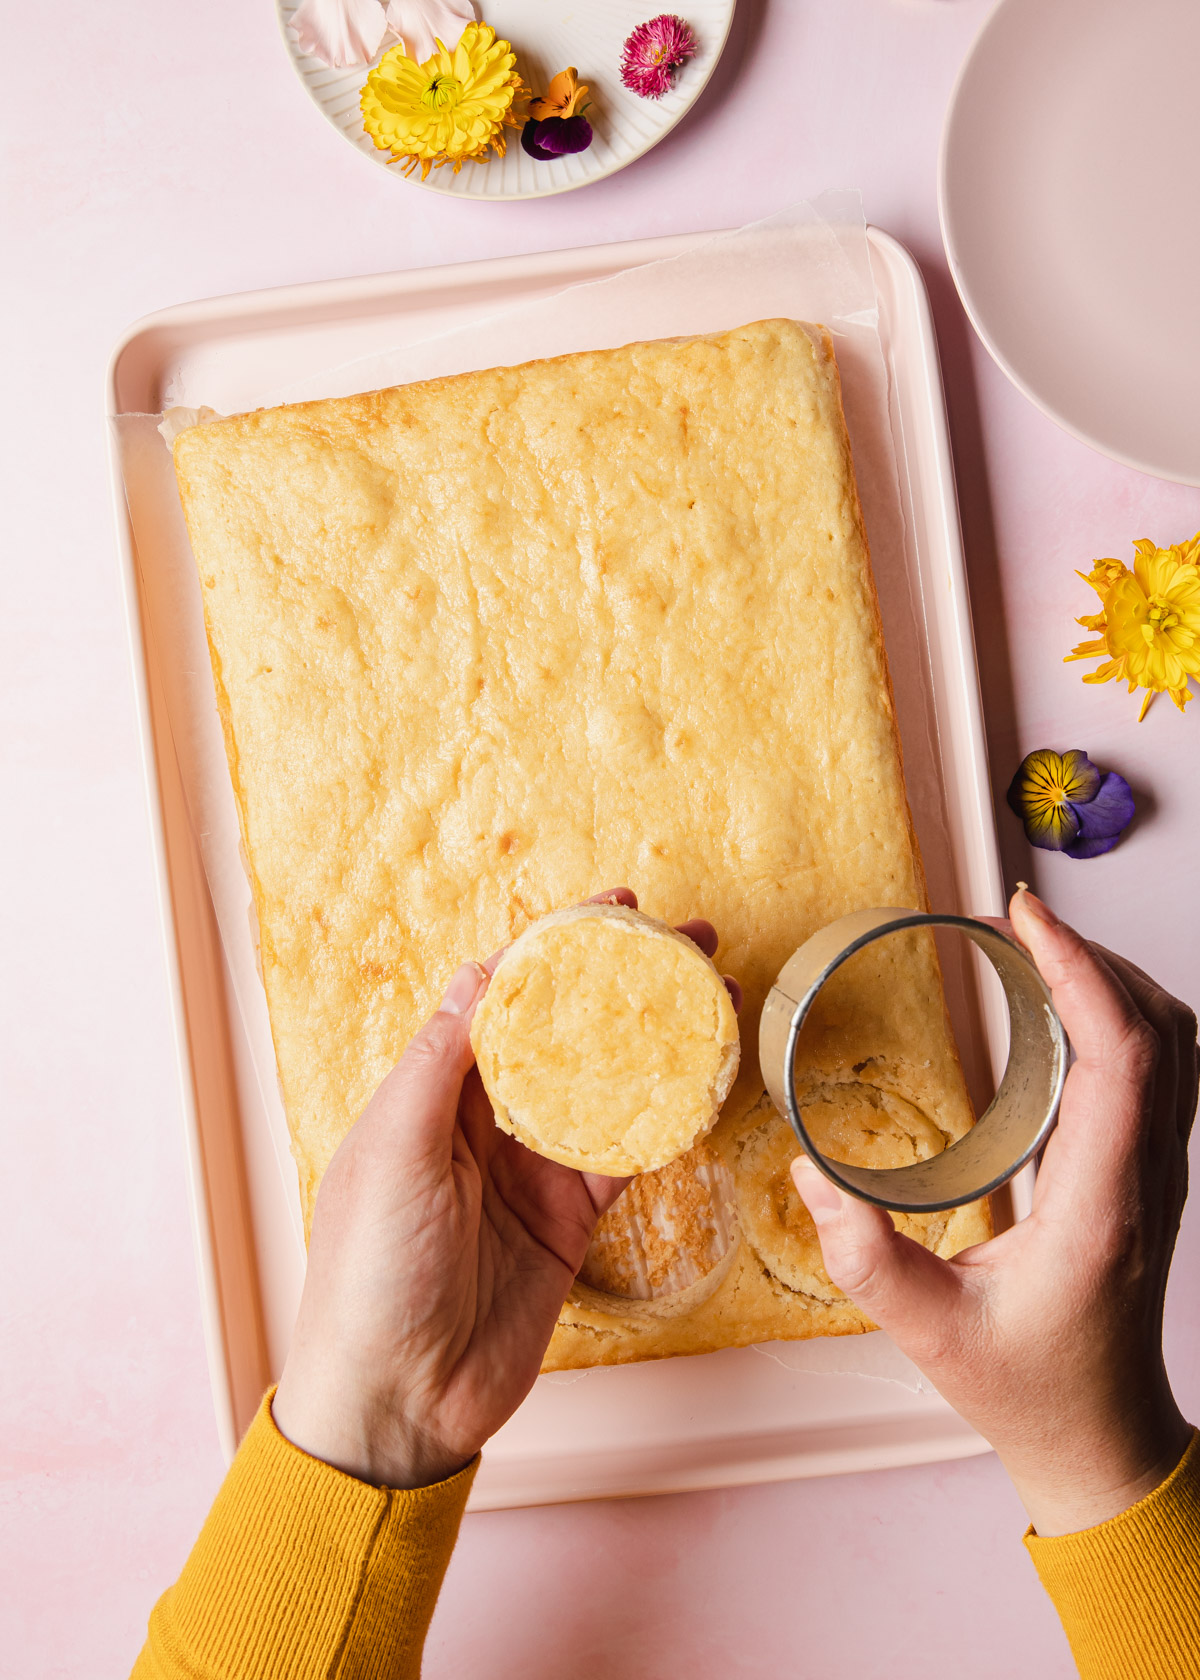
(1020, 1116)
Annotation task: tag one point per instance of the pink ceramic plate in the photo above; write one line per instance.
(1070, 203)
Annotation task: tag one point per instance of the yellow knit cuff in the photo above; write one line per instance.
(301, 1570)
(1128, 1591)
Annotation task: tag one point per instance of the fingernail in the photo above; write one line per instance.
(1039, 911)
(461, 992)
(822, 1199)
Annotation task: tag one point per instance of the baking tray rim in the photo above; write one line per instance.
(936, 1433)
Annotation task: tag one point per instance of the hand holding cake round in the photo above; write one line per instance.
(606, 1040)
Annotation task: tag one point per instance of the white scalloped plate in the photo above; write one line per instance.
(547, 35)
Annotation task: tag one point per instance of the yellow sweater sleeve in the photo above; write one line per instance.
(304, 1573)
(1128, 1591)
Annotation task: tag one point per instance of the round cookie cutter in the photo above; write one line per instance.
(1020, 1116)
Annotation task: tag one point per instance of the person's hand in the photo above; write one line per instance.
(1049, 1338)
(441, 1252)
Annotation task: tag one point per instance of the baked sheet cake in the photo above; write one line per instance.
(487, 644)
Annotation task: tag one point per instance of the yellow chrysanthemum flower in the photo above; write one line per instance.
(451, 109)
(1150, 625)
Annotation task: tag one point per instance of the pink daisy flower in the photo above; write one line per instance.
(654, 52)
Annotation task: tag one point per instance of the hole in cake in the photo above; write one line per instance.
(849, 1121)
(877, 1017)
(668, 1230)
(864, 1125)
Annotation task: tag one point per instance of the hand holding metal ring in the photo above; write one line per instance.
(1020, 1116)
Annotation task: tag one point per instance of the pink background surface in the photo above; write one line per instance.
(165, 153)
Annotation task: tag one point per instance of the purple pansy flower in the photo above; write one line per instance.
(552, 137)
(1068, 805)
(557, 125)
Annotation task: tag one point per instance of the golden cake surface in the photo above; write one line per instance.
(606, 1040)
(485, 645)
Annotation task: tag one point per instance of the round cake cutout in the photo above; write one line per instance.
(606, 1040)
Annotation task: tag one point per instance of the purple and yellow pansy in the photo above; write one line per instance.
(557, 125)
(1068, 805)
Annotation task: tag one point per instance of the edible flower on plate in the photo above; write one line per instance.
(1149, 626)
(346, 33)
(452, 109)
(1068, 805)
(421, 26)
(654, 52)
(556, 123)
